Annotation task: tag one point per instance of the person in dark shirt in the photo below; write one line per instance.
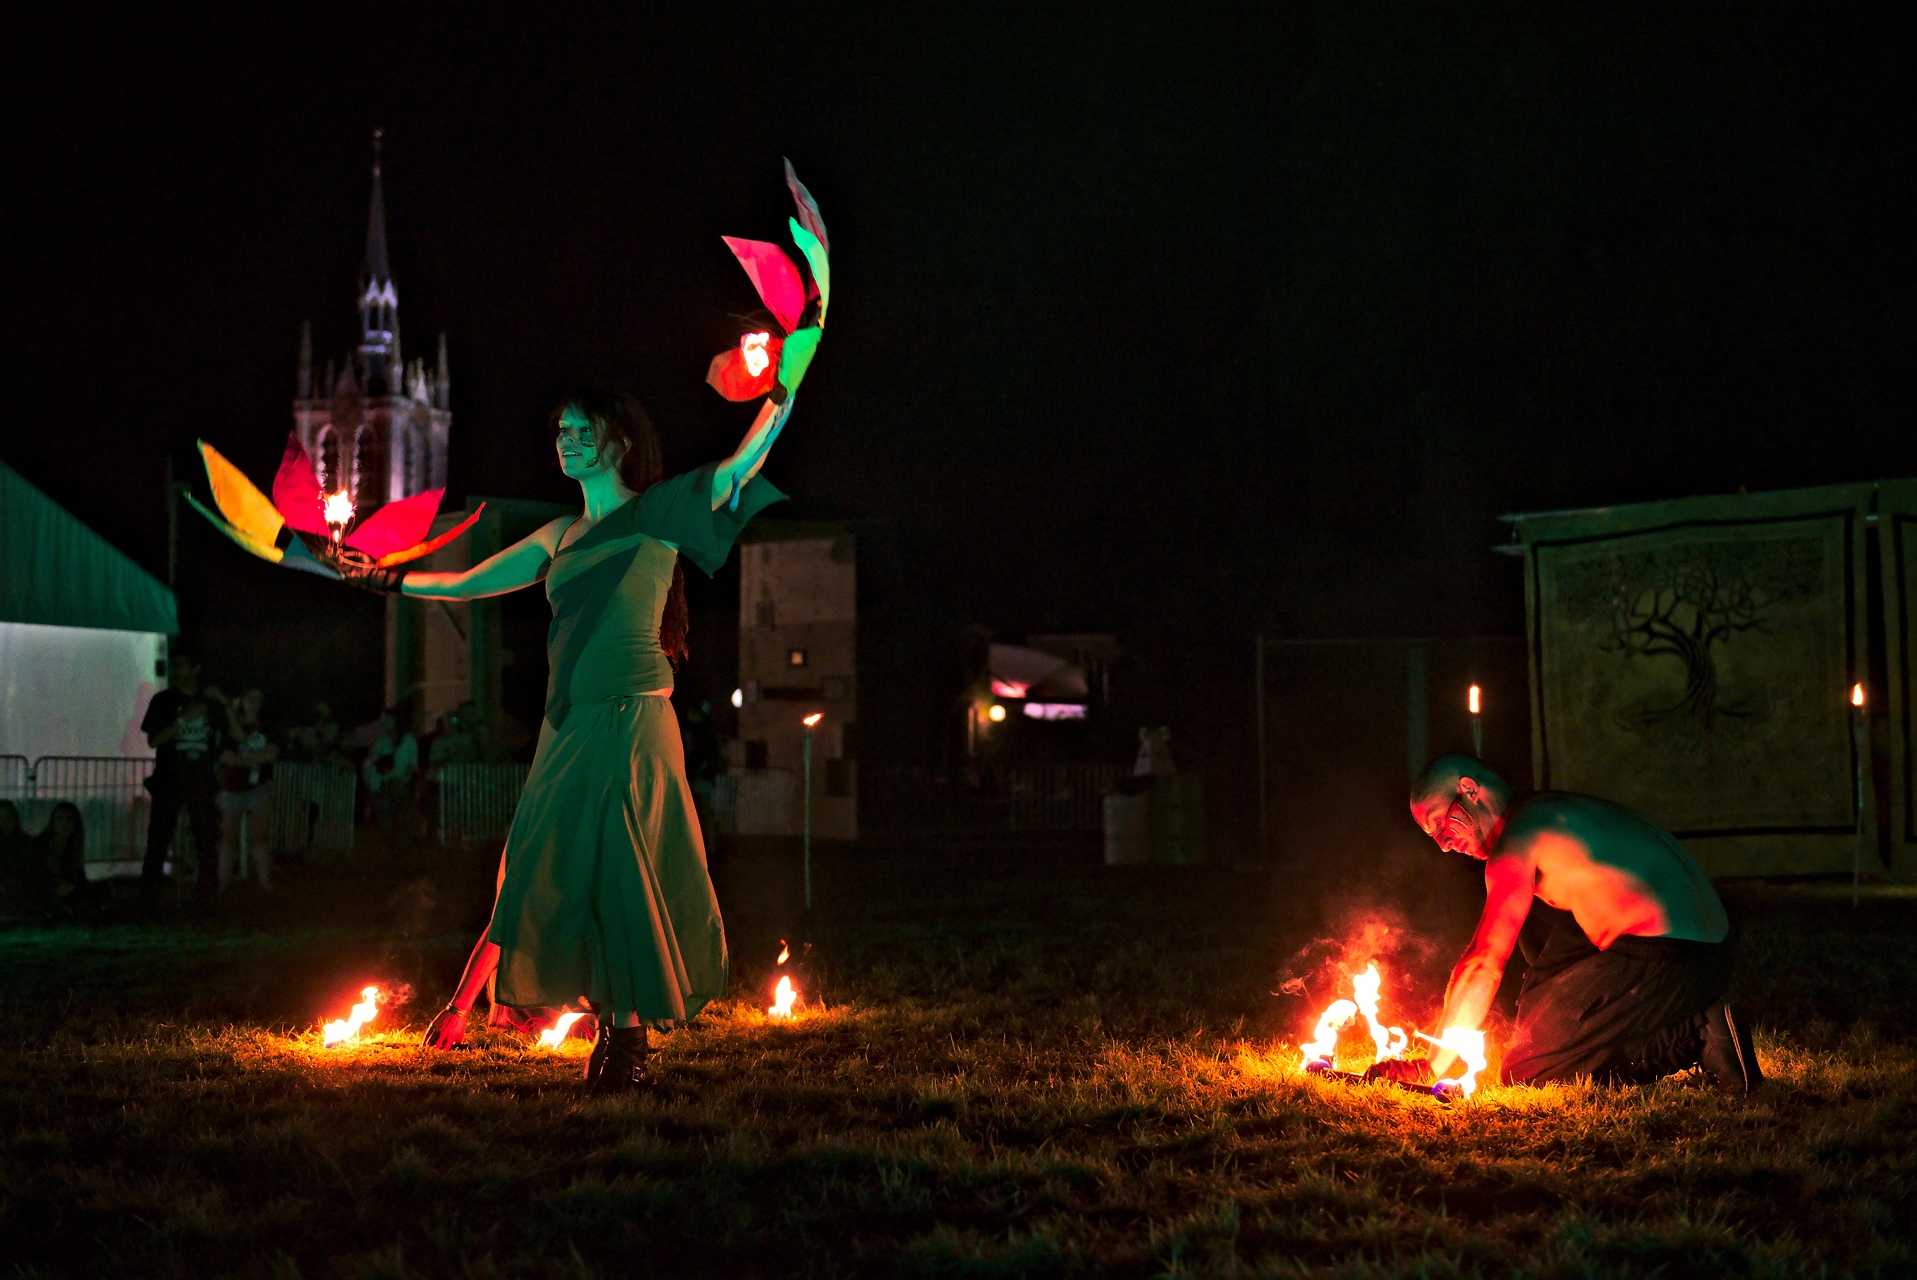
(184, 725)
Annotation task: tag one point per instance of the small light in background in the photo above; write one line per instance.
(814, 718)
(995, 713)
(1055, 711)
(1008, 689)
(1857, 695)
(1476, 700)
(738, 697)
(795, 657)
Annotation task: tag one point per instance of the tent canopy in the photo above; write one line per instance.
(57, 572)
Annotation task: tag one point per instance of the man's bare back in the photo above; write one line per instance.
(1615, 872)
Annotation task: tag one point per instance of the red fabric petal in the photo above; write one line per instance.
(296, 492)
(427, 548)
(396, 525)
(730, 378)
(774, 276)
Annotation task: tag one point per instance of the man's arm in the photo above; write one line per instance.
(1509, 879)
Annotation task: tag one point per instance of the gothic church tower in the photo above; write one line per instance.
(373, 425)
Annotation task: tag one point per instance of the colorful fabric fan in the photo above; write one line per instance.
(764, 362)
(301, 528)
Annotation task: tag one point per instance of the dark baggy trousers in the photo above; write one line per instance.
(1627, 1015)
(202, 815)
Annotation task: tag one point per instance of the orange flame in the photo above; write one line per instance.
(346, 1030)
(814, 718)
(1857, 695)
(752, 348)
(1467, 1044)
(555, 1035)
(785, 952)
(1476, 700)
(339, 511)
(783, 998)
(1387, 1042)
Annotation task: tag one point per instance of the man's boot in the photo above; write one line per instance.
(624, 1066)
(1728, 1056)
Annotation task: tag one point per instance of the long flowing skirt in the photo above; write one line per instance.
(606, 894)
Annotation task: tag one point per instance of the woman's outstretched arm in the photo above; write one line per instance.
(520, 565)
(748, 457)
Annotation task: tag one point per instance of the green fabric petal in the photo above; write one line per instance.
(821, 264)
(797, 357)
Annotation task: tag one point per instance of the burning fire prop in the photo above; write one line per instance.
(346, 1030)
(1388, 1042)
(555, 1035)
(784, 995)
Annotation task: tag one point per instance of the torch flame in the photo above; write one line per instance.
(1857, 695)
(555, 1035)
(752, 347)
(783, 998)
(814, 718)
(346, 1029)
(785, 952)
(1467, 1044)
(1477, 701)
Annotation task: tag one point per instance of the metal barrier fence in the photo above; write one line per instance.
(476, 802)
(14, 774)
(756, 802)
(108, 792)
(312, 807)
(1048, 796)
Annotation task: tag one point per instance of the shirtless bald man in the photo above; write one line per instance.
(1625, 942)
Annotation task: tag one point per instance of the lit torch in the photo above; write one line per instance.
(346, 1030)
(555, 1035)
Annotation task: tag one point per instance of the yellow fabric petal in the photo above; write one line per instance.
(264, 550)
(251, 511)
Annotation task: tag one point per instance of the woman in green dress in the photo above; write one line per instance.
(604, 898)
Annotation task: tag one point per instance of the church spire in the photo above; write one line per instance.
(376, 265)
(378, 301)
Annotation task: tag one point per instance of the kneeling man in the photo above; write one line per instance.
(1625, 938)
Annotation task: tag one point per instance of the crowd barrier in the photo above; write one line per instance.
(1059, 796)
(476, 802)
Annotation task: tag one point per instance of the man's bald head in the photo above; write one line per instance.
(1441, 777)
(1460, 801)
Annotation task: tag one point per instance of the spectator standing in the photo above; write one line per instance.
(186, 741)
(246, 792)
(16, 853)
(389, 771)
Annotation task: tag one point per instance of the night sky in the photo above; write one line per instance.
(1178, 327)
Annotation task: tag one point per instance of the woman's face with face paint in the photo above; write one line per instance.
(582, 453)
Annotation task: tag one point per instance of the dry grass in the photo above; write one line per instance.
(1026, 1068)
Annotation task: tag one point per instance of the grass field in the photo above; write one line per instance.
(1024, 1065)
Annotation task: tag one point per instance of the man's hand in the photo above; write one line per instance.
(447, 1029)
(1410, 1071)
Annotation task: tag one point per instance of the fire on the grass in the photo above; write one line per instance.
(1387, 1042)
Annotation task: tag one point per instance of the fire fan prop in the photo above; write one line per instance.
(1388, 1042)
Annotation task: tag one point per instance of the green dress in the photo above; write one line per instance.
(606, 895)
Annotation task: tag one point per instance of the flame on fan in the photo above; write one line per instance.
(752, 348)
(338, 509)
(1468, 1045)
(1386, 1042)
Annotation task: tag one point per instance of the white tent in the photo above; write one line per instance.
(82, 634)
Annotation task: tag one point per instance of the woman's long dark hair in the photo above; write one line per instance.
(618, 416)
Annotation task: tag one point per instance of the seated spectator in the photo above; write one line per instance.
(246, 792)
(58, 863)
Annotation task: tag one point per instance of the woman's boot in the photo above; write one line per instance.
(596, 1060)
(624, 1067)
